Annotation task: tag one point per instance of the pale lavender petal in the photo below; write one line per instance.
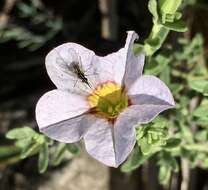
(124, 136)
(110, 67)
(124, 129)
(134, 63)
(59, 63)
(57, 105)
(143, 113)
(71, 130)
(150, 90)
(143, 99)
(114, 66)
(99, 142)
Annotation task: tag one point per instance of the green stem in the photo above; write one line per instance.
(155, 39)
(159, 32)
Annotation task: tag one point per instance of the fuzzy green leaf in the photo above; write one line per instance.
(58, 154)
(178, 26)
(201, 111)
(164, 174)
(43, 158)
(169, 7)
(138, 49)
(135, 160)
(199, 85)
(172, 143)
(20, 133)
(30, 150)
(73, 149)
(152, 6)
(158, 65)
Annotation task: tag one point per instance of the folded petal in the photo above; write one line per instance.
(134, 63)
(110, 67)
(70, 130)
(59, 65)
(57, 105)
(113, 66)
(124, 136)
(141, 114)
(99, 142)
(111, 144)
(150, 90)
(124, 128)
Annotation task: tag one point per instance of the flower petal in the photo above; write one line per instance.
(99, 142)
(111, 145)
(69, 131)
(59, 66)
(134, 63)
(113, 66)
(56, 106)
(110, 67)
(137, 114)
(150, 90)
(124, 136)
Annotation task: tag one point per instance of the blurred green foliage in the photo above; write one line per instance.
(38, 18)
(28, 143)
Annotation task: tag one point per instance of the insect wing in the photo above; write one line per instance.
(70, 63)
(66, 61)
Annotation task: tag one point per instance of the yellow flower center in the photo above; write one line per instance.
(108, 100)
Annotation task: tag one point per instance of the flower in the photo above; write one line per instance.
(100, 99)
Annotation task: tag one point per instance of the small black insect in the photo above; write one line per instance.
(75, 67)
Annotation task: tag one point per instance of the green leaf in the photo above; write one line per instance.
(153, 43)
(160, 122)
(30, 150)
(152, 6)
(202, 121)
(167, 164)
(138, 49)
(199, 85)
(172, 143)
(174, 164)
(135, 160)
(178, 26)
(157, 66)
(8, 151)
(164, 174)
(201, 111)
(151, 137)
(146, 147)
(40, 139)
(23, 143)
(201, 135)
(165, 75)
(205, 90)
(169, 7)
(186, 133)
(176, 88)
(20, 133)
(205, 163)
(178, 15)
(43, 158)
(200, 147)
(58, 154)
(73, 149)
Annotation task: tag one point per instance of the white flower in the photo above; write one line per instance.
(100, 99)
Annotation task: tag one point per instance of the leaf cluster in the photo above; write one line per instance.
(28, 142)
(30, 36)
